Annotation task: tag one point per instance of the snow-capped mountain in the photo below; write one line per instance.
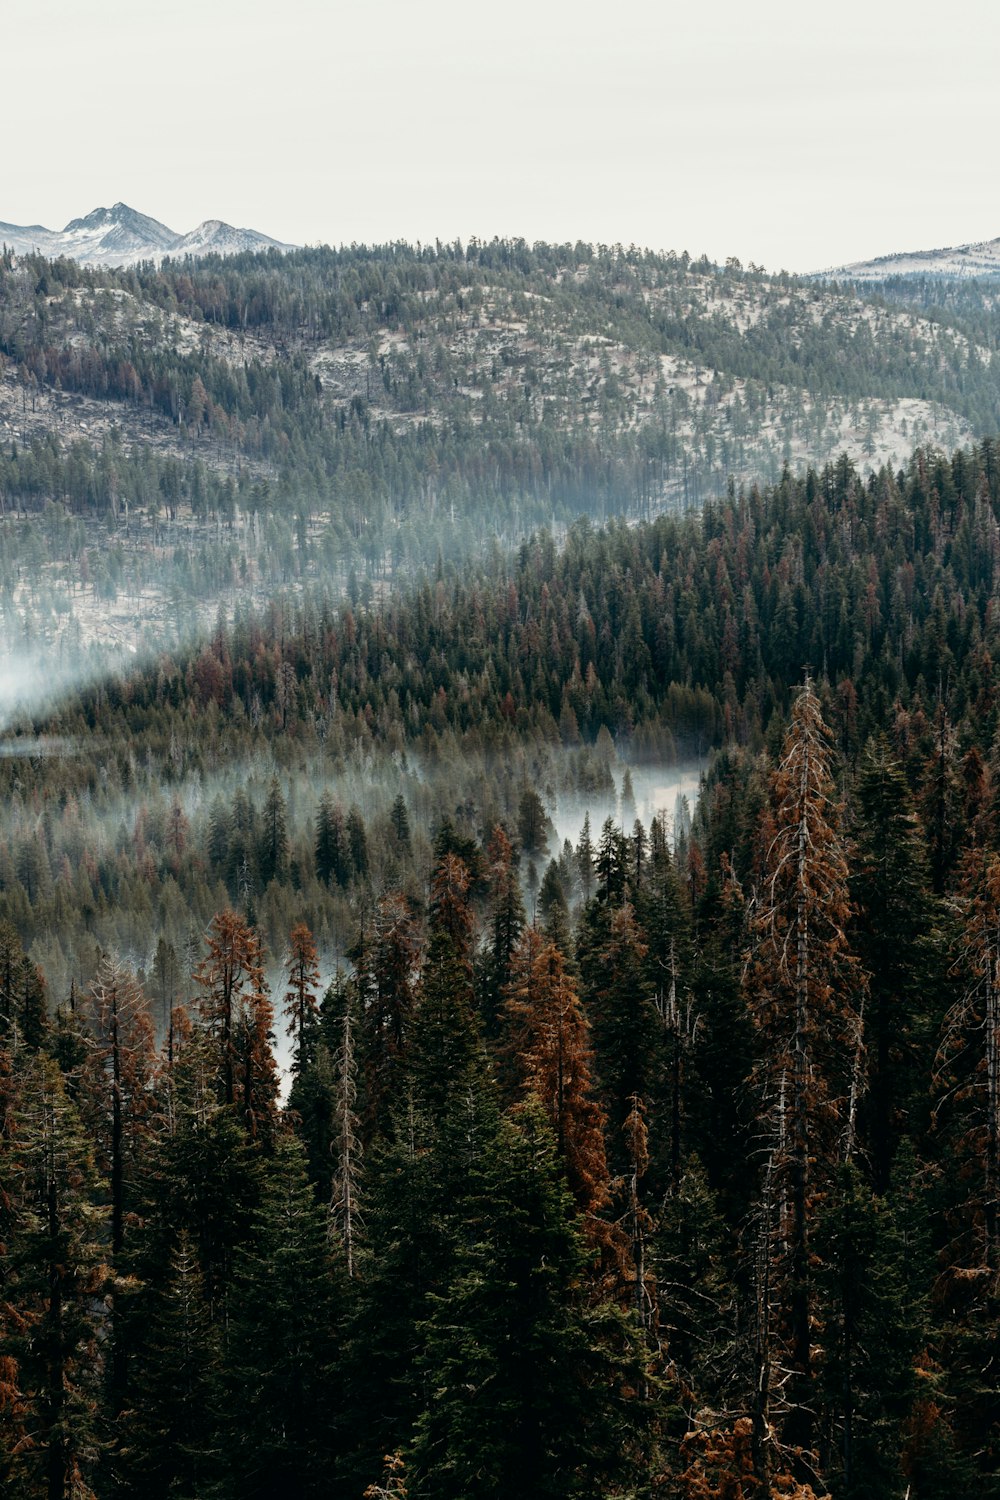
(979, 259)
(120, 236)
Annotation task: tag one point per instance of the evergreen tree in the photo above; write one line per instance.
(896, 942)
(237, 1011)
(301, 1006)
(55, 1277)
(804, 991)
(386, 980)
(400, 821)
(627, 1031)
(548, 1040)
(506, 923)
(871, 1338)
(169, 1443)
(283, 1420)
(446, 1053)
(357, 844)
(508, 1360)
(272, 858)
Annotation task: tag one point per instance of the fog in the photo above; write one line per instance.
(662, 790)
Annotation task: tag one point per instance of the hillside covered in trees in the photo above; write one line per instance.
(663, 1162)
(225, 428)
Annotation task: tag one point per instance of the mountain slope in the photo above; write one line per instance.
(121, 236)
(265, 420)
(973, 260)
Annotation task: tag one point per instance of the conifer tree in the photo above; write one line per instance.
(357, 844)
(301, 1004)
(446, 1052)
(344, 1205)
(627, 1031)
(23, 1001)
(506, 923)
(547, 1037)
(272, 855)
(121, 1066)
(283, 1417)
(585, 859)
(804, 990)
(325, 846)
(386, 979)
(56, 1274)
(169, 1436)
(517, 1393)
(967, 1075)
(235, 1008)
(696, 1291)
(399, 818)
(870, 1336)
(897, 942)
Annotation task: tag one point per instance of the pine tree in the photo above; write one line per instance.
(23, 1000)
(697, 1296)
(301, 1005)
(898, 945)
(272, 857)
(346, 1143)
(357, 844)
(585, 859)
(406, 1253)
(666, 921)
(517, 1387)
(547, 1037)
(804, 990)
(121, 1064)
(236, 1008)
(56, 1275)
(324, 847)
(446, 1051)
(627, 1031)
(871, 1337)
(203, 1179)
(386, 980)
(506, 923)
(169, 1443)
(282, 1409)
(967, 1074)
(400, 821)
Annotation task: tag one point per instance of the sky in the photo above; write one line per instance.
(793, 135)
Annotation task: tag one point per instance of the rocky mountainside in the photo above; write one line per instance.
(120, 236)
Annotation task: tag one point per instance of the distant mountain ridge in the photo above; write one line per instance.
(121, 236)
(978, 258)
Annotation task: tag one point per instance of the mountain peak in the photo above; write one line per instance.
(121, 235)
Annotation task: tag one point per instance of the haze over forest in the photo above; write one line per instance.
(499, 873)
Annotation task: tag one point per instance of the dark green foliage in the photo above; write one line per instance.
(507, 1360)
(53, 1283)
(169, 1434)
(691, 1253)
(283, 1402)
(273, 852)
(201, 1179)
(898, 941)
(627, 1030)
(873, 1335)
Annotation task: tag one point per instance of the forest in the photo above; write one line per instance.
(228, 428)
(359, 1139)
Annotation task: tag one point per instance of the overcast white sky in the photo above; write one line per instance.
(791, 134)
